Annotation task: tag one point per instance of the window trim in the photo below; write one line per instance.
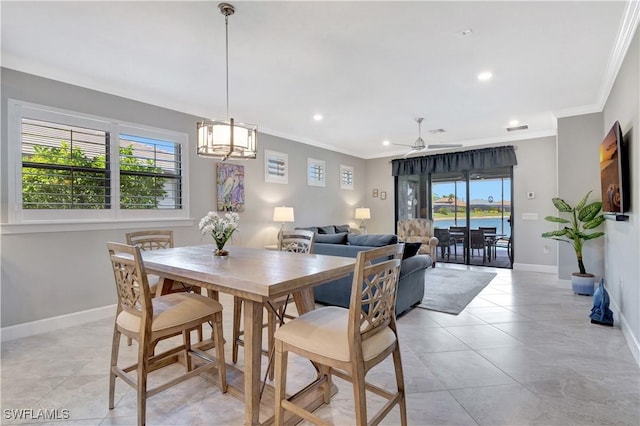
(17, 110)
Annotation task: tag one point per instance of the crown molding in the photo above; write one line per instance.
(628, 27)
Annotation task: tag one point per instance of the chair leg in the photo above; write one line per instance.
(115, 349)
(143, 366)
(402, 403)
(280, 381)
(237, 313)
(186, 337)
(218, 339)
(359, 395)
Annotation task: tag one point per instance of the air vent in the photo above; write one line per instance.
(513, 129)
(434, 131)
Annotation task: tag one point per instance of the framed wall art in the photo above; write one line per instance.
(230, 187)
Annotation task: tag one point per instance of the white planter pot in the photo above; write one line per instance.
(583, 284)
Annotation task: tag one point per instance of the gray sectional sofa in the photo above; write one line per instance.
(338, 292)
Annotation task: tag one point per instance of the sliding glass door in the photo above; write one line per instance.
(464, 204)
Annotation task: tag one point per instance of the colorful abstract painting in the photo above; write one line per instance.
(230, 187)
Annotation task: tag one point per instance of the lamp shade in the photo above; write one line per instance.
(283, 214)
(363, 213)
(221, 139)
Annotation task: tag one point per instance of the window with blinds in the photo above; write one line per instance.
(64, 167)
(316, 172)
(346, 177)
(150, 171)
(71, 166)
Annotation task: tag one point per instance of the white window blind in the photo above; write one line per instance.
(64, 167)
(74, 167)
(346, 177)
(316, 172)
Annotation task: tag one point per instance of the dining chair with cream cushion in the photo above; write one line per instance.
(149, 320)
(296, 241)
(347, 343)
(155, 239)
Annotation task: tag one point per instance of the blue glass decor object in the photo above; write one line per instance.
(600, 313)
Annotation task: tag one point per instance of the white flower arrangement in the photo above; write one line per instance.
(221, 228)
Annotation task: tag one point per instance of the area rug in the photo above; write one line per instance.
(451, 290)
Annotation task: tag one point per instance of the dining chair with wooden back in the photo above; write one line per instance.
(347, 343)
(149, 320)
(295, 241)
(155, 239)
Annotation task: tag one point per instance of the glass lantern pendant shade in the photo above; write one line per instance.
(226, 139)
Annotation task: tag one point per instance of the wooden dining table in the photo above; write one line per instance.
(255, 275)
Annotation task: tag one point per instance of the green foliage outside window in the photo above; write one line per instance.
(67, 178)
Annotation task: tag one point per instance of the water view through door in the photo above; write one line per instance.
(472, 217)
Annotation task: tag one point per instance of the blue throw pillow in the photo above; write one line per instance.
(410, 250)
(326, 229)
(342, 228)
(340, 238)
(372, 240)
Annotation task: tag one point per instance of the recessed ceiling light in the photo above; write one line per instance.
(514, 123)
(318, 117)
(485, 75)
(386, 143)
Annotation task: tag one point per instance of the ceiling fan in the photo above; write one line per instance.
(419, 144)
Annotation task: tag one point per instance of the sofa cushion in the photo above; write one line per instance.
(410, 250)
(329, 229)
(372, 240)
(340, 238)
(342, 228)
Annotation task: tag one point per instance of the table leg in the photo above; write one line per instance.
(252, 354)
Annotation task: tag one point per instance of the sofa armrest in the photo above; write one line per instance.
(433, 242)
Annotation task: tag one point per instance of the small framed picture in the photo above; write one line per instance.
(383, 195)
(374, 193)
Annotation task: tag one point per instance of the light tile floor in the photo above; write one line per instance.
(523, 352)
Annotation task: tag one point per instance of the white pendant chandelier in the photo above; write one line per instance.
(227, 139)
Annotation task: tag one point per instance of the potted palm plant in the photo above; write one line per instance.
(583, 218)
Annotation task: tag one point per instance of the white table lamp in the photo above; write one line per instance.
(282, 214)
(362, 214)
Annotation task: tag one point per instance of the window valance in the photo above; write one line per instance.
(478, 159)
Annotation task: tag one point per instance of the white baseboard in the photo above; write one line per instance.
(536, 268)
(55, 323)
(632, 341)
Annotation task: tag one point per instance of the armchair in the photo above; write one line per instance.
(419, 230)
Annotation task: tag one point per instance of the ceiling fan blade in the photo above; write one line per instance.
(402, 144)
(444, 145)
(410, 152)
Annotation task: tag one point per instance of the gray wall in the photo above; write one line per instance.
(622, 239)
(578, 173)
(54, 273)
